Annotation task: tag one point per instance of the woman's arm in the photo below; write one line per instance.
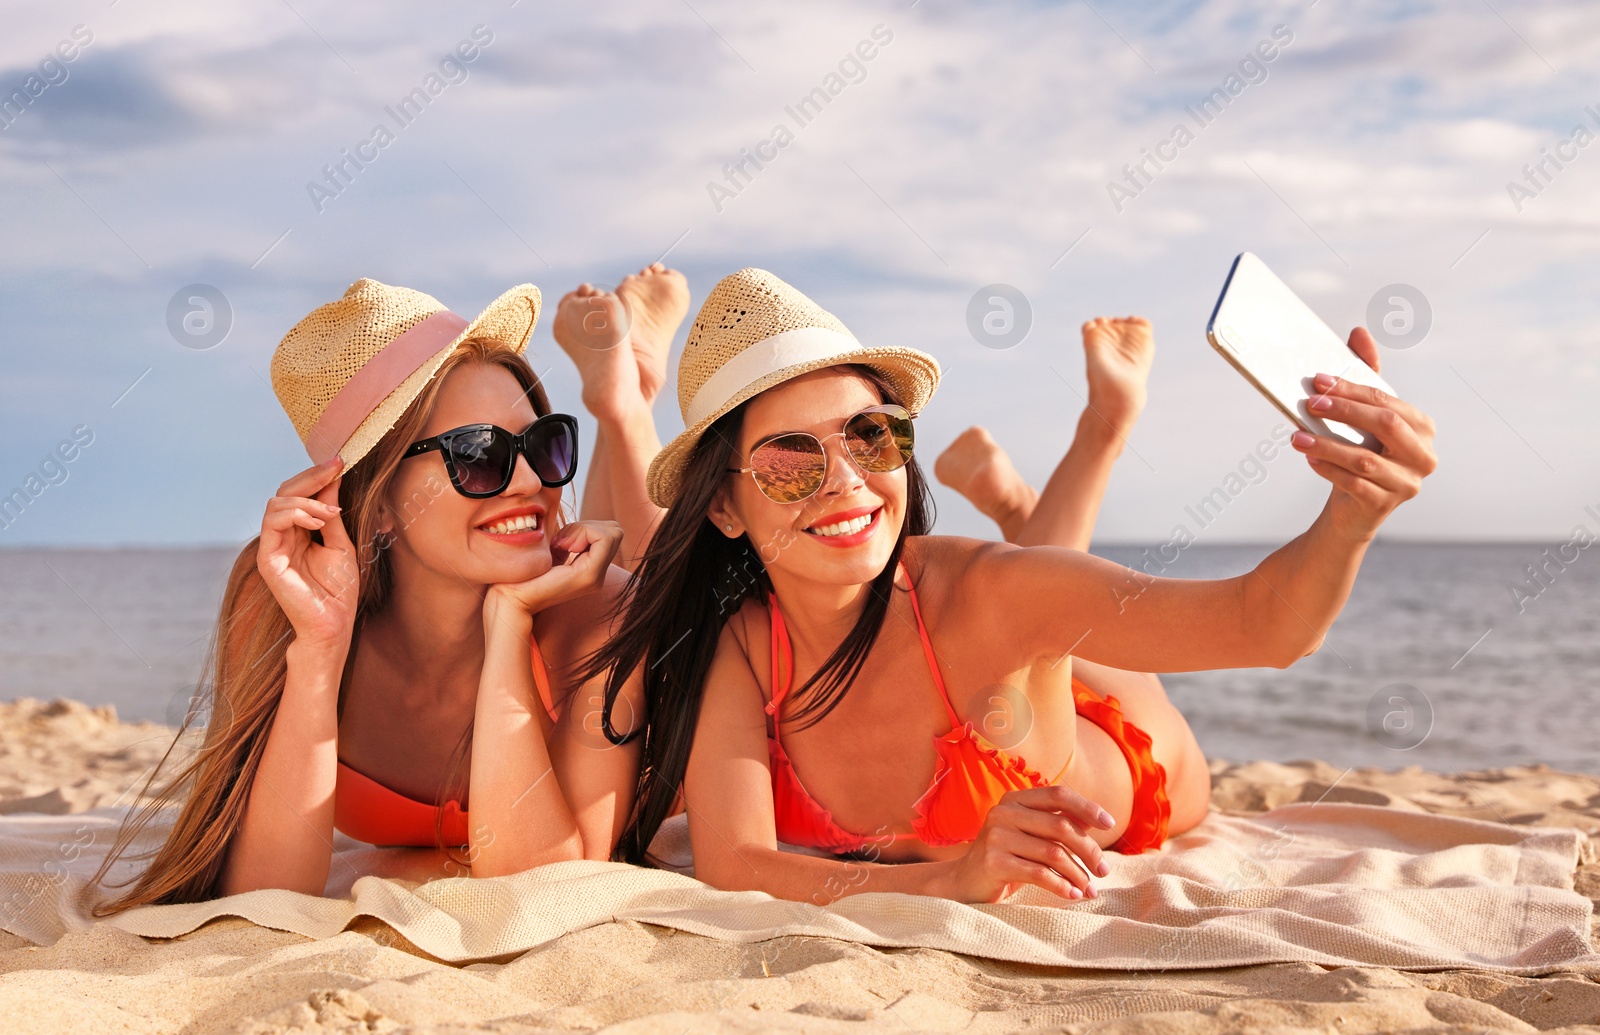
(285, 839)
(599, 777)
(1271, 616)
(520, 815)
(728, 795)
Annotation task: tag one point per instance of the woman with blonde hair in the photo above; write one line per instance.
(816, 664)
(409, 624)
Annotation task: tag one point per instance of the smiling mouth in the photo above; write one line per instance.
(512, 526)
(839, 528)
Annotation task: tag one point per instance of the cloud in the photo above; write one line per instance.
(676, 56)
(977, 149)
(163, 91)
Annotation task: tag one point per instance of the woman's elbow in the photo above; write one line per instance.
(1295, 649)
(494, 864)
(727, 870)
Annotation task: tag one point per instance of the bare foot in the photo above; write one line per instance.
(591, 326)
(975, 466)
(1118, 351)
(658, 300)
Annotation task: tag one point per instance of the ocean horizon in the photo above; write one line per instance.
(1438, 659)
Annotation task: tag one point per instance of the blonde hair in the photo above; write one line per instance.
(248, 667)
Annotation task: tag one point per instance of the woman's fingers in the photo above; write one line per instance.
(281, 519)
(335, 535)
(316, 506)
(1040, 861)
(1039, 835)
(286, 512)
(280, 540)
(1044, 877)
(1360, 463)
(310, 481)
(1400, 439)
(1357, 486)
(595, 542)
(1063, 799)
(1054, 827)
(1336, 387)
(1363, 345)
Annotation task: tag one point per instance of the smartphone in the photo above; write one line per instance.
(1279, 344)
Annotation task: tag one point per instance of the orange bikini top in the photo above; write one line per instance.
(969, 778)
(368, 811)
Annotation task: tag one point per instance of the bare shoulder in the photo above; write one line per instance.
(990, 590)
(746, 639)
(952, 567)
(736, 688)
(573, 628)
(588, 609)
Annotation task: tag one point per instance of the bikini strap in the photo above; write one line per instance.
(933, 663)
(782, 663)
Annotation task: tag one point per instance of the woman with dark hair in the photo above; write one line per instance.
(795, 482)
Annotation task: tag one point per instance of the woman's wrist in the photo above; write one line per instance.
(937, 878)
(318, 655)
(503, 610)
(1340, 530)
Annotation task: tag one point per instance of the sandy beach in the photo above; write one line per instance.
(232, 976)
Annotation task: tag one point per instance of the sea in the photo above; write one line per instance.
(1450, 656)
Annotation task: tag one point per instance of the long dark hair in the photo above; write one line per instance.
(690, 580)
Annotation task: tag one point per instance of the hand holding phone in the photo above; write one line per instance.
(1374, 461)
(1279, 344)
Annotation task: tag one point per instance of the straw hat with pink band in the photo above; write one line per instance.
(753, 332)
(346, 372)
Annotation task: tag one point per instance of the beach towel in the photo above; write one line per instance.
(1329, 883)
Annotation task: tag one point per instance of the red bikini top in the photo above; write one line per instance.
(368, 811)
(969, 778)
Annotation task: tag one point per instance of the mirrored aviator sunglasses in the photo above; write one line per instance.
(480, 458)
(791, 466)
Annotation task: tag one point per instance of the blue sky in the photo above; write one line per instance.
(974, 147)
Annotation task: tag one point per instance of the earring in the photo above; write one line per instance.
(728, 527)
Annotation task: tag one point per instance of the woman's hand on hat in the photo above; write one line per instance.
(316, 584)
(580, 554)
(1039, 836)
(1367, 485)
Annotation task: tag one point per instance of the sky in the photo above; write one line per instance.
(1382, 144)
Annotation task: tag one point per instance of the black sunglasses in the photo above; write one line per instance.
(481, 457)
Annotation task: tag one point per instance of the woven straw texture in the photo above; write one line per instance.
(1326, 883)
(325, 349)
(750, 306)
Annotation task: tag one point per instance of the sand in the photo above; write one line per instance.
(231, 976)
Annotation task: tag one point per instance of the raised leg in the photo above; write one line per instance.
(1118, 354)
(619, 342)
(975, 466)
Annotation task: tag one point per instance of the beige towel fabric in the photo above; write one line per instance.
(1331, 883)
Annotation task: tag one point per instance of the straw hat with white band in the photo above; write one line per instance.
(755, 331)
(346, 372)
